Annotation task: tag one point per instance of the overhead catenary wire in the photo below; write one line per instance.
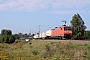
(85, 10)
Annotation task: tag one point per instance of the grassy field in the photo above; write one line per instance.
(44, 50)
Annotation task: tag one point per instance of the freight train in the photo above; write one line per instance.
(63, 32)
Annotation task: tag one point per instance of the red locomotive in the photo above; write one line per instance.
(63, 32)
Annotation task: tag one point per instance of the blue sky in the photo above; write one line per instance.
(25, 15)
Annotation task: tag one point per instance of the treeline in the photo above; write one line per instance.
(21, 35)
(6, 36)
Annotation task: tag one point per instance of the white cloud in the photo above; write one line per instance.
(33, 5)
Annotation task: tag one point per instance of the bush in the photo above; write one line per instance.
(7, 39)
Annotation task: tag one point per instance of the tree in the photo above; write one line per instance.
(87, 35)
(25, 35)
(17, 36)
(11, 39)
(78, 27)
(20, 35)
(6, 32)
(6, 36)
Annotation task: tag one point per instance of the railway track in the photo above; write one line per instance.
(72, 41)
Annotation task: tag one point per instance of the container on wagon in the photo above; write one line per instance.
(36, 36)
(49, 33)
(43, 35)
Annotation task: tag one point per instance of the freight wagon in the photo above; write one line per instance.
(40, 36)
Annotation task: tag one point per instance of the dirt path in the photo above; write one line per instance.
(72, 41)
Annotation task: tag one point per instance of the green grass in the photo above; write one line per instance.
(44, 50)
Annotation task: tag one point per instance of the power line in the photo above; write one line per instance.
(86, 9)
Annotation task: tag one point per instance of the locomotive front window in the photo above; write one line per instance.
(67, 28)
